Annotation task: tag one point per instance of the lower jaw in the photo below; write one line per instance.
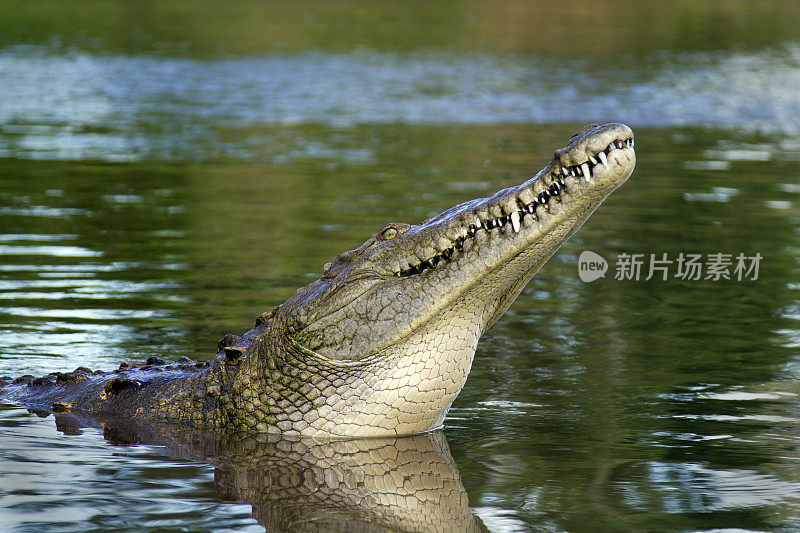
(508, 276)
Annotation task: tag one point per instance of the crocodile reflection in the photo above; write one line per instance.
(305, 484)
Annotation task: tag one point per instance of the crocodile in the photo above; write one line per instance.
(380, 344)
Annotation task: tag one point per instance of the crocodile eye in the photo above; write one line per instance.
(389, 233)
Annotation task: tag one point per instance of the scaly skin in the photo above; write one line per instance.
(382, 343)
(307, 484)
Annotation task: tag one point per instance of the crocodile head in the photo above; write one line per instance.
(409, 305)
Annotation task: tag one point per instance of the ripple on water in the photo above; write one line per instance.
(44, 211)
(691, 487)
(63, 304)
(73, 482)
(80, 106)
(56, 251)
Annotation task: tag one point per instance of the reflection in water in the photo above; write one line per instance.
(390, 484)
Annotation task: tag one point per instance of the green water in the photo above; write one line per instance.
(169, 170)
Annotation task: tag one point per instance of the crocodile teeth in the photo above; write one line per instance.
(527, 202)
(515, 221)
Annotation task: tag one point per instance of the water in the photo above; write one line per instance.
(129, 108)
(164, 182)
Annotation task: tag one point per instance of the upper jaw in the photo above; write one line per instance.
(596, 161)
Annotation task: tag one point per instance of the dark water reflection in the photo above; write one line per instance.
(397, 484)
(159, 189)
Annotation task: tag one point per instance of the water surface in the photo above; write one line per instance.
(161, 189)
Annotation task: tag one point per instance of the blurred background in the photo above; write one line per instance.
(169, 170)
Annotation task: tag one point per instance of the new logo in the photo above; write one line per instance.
(591, 266)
